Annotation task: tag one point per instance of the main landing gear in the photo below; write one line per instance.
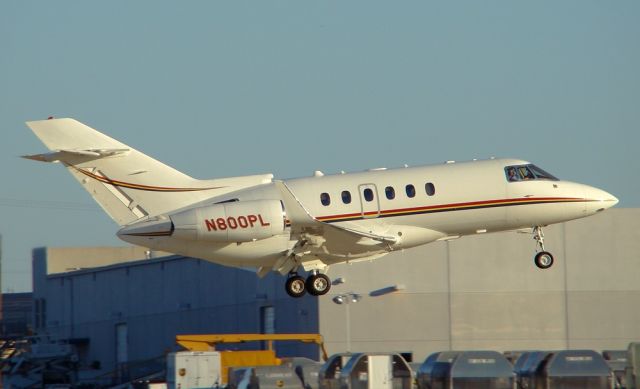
(543, 259)
(316, 284)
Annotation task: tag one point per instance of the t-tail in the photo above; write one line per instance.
(127, 184)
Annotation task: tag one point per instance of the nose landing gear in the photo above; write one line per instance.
(316, 284)
(543, 259)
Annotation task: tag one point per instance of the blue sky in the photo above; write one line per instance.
(224, 88)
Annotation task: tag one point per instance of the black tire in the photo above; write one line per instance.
(295, 286)
(543, 260)
(318, 285)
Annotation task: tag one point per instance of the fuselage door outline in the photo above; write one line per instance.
(369, 207)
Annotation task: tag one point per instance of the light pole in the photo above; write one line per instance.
(347, 299)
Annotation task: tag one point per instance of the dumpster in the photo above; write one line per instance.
(307, 371)
(376, 371)
(414, 366)
(633, 366)
(329, 374)
(617, 361)
(242, 378)
(481, 370)
(434, 370)
(513, 355)
(528, 369)
(577, 369)
(292, 373)
(520, 362)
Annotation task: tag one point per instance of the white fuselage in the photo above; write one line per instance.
(310, 223)
(414, 205)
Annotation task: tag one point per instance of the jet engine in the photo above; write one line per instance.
(239, 221)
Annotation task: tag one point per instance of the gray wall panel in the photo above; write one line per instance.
(508, 316)
(604, 316)
(603, 252)
(493, 297)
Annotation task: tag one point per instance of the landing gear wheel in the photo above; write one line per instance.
(318, 284)
(543, 260)
(295, 286)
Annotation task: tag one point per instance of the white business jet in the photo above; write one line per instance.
(313, 222)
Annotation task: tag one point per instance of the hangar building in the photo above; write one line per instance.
(481, 292)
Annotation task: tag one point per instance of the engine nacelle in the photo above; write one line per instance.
(241, 221)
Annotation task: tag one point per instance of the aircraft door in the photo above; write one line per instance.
(369, 202)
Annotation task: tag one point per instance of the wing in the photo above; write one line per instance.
(312, 234)
(302, 221)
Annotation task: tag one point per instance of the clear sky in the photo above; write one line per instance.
(224, 88)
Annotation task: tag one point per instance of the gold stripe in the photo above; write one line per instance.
(149, 188)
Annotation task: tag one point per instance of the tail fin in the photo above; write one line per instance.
(127, 184)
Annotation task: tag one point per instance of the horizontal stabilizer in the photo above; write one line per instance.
(62, 155)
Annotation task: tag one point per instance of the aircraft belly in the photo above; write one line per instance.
(264, 252)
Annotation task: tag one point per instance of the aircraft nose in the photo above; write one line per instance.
(601, 199)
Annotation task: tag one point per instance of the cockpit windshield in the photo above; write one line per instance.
(526, 173)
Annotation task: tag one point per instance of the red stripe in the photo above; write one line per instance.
(454, 205)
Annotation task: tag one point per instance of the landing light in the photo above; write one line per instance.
(347, 298)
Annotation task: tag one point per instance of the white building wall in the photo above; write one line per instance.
(484, 292)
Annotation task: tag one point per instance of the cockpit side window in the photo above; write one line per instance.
(526, 172)
(512, 174)
(541, 174)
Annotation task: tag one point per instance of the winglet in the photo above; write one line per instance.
(296, 212)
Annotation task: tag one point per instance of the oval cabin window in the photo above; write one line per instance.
(430, 189)
(411, 190)
(325, 199)
(390, 192)
(368, 194)
(346, 197)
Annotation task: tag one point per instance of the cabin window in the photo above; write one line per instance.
(430, 189)
(368, 194)
(411, 190)
(325, 199)
(346, 197)
(390, 192)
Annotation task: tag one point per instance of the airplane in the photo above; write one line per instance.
(313, 222)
